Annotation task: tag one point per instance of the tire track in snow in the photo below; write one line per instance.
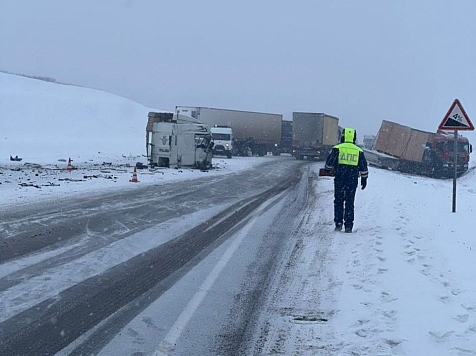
(54, 323)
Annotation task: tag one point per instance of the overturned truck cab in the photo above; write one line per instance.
(408, 150)
(174, 140)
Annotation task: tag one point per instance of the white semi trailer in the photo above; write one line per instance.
(255, 131)
(175, 140)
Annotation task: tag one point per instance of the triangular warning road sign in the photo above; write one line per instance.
(456, 119)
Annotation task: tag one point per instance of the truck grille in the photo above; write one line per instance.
(460, 160)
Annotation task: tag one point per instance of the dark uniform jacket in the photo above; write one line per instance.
(347, 160)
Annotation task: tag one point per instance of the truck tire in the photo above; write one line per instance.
(163, 162)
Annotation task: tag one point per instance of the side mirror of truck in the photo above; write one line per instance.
(470, 148)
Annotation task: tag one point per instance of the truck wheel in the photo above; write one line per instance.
(163, 162)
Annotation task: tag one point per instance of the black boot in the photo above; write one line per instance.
(348, 229)
(338, 227)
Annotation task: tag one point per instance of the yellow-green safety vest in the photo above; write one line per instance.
(348, 154)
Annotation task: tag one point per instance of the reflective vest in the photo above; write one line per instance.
(348, 154)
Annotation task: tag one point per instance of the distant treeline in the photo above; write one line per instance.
(45, 79)
(53, 80)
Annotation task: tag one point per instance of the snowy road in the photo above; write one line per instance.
(87, 267)
(247, 264)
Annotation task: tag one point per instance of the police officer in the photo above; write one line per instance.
(347, 160)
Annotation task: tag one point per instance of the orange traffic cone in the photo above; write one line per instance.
(134, 176)
(70, 166)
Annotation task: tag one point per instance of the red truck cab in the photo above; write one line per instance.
(440, 154)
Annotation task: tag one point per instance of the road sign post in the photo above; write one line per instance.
(454, 120)
(455, 149)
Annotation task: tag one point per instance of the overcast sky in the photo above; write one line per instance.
(362, 61)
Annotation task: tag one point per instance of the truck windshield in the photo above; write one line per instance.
(448, 146)
(221, 136)
(202, 141)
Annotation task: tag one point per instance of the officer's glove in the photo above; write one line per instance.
(363, 182)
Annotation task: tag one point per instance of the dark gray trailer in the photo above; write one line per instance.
(314, 134)
(255, 131)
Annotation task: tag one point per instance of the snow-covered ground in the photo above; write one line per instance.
(403, 283)
(41, 121)
(46, 124)
(27, 182)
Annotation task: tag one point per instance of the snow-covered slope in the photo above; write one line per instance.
(41, 120)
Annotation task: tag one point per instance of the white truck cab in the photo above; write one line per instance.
(223, 140)
(178, 141)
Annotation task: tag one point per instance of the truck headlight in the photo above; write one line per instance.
(227, 145)
(445, 165)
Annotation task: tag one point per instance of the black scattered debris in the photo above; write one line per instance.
(140, 165)
(32, 165)
(310, 318)
(29, 185)
(107, 163)
(51, 184)
(70, 180)
(62, 160)
(99, 176)
(16, 159)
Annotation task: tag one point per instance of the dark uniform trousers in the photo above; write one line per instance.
(344, 196)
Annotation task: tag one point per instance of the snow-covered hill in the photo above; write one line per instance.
(46, 123)
(40, 121)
